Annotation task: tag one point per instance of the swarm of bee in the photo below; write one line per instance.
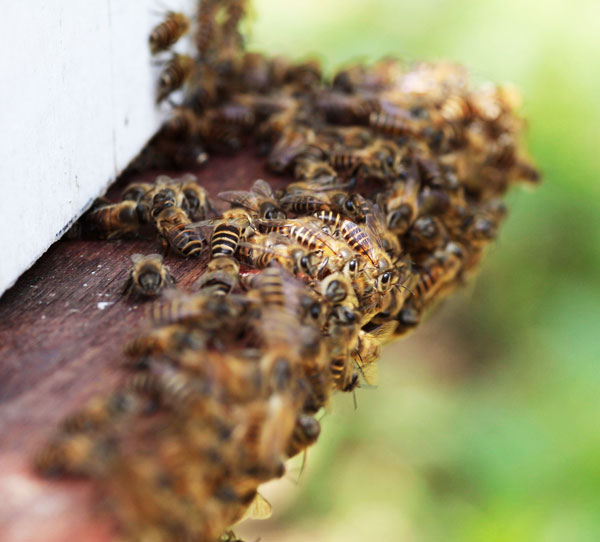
(393, 178)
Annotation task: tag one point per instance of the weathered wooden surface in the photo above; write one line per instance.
(62, 329)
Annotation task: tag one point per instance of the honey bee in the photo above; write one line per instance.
(176, 73)
(391, 125)
(290, 145)
(70, 454)
(337, 289)
(220, 276)
(177, 231)
(136, 191)
(306, 203)
(402, 205)
(236, 114)
(115, 219)
(207, 27)
(198, 203)
(308, 169)
(98, 412)
(182, 124)
(259, 251)
(438, 272)
(306, 432)
(426, 235)
(233, 226)
(168, 32)
(306, 74)
(408, 319)
(148, 276)
(352, 233)
(201, 309)
(342, 108)
(369, 347)
(170, 339)
(301, 231)
(456, 109)
(260, 201)
(343, 333)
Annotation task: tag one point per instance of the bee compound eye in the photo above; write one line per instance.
(315, 311)
(304, 262)
(349, 205)
(352, 266)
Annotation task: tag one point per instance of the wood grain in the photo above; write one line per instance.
(62, 330)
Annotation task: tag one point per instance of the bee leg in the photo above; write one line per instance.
(170, 280)
(128, 287)
(211, 207)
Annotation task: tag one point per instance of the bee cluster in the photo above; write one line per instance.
(394, 176)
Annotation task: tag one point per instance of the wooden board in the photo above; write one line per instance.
(62, 328)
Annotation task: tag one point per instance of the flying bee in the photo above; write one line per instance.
(260, 201)
(220, 276)
(115, 219)
(176, 73)
(148, 276)
(176, 230)
(306, 432)
(168, 32)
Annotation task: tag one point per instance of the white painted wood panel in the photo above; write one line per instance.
(76, 104)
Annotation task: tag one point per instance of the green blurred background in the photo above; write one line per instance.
(486, 422)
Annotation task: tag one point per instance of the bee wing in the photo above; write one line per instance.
(263, 189)
(136, 258)
(259, 508)
(374, 224)
(289, 199)
(157, 257)
(369, 373)
(384, 332)
(240, 197)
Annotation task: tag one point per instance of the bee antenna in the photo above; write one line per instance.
(405, 287)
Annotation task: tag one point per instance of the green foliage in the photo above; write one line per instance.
(485, 424)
